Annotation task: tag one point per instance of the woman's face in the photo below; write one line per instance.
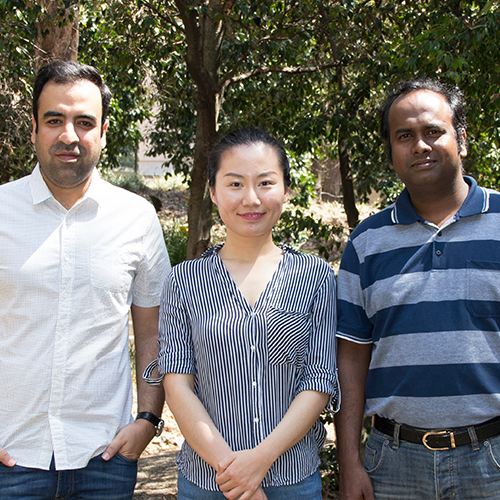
(249, 189)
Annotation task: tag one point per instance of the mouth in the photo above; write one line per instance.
(68, 157)
(252, 215)
(423, 163)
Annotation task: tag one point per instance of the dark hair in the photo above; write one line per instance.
(246, 137)
(70, 72)
(452, 94)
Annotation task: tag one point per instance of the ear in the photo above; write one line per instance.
(463, 147)
(212, 195)
(286, 195)
(33, 132)
(103, 135)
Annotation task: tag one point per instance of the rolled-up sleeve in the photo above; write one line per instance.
(176, 345)
(320, 370)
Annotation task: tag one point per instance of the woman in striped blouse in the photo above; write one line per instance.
(247, 341)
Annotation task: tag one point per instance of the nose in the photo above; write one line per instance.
(69, 135)
(251, 197)
(421, 145)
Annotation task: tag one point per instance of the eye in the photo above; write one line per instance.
(235, 184)
(434, 132)
(86, 124)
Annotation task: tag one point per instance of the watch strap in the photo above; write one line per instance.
(150, 417)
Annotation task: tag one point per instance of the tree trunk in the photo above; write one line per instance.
(347, 186)
(204, 36)
(57, 32)
(344, 158)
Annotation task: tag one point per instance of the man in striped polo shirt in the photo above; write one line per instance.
(419, 317)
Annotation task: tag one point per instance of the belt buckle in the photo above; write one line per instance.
(438, 433)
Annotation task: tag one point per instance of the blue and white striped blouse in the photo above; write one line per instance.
(251, 362)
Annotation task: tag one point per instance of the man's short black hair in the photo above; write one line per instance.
(453, 95)
(70, 72)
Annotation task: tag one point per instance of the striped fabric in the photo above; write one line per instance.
(428, 299)
(250, 363)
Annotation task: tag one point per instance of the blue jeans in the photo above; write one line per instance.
(399, 469)
(100, 480)
(308, 489)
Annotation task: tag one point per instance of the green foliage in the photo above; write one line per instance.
(298, 229)
(304, 232)
(126, 180)
(113, 38)
(269, 52)
(175, 234)
(16, 67)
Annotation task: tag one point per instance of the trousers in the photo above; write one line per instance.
(399, 469)
(100, 480)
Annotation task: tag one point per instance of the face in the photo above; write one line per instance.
(249, 190)
(69, 141)
(423, 142)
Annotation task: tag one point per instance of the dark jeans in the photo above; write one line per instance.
(100, 480)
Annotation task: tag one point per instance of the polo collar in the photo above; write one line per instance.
(477, 202)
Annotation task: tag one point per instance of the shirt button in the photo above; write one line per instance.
(253, 348)
(256, 420)
(254, 383)
(440, 233)
(438, 252)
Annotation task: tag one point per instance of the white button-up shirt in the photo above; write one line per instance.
(67, 280)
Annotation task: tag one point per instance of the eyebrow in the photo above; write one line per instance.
(429, 126)
(50, 114)
(263, 174)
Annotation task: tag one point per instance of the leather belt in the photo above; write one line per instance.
(444, 439)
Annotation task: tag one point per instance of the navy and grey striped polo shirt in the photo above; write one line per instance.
(428, 298)
(251, 362)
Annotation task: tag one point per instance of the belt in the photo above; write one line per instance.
(438, 439)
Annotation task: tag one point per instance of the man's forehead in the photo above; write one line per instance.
(81, 97)
(421, 104)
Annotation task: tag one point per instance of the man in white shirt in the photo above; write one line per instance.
(76, 255)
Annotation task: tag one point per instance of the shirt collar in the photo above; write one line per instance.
(40, 192)
(476, 202)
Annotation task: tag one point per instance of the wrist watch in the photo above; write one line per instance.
(157, 422)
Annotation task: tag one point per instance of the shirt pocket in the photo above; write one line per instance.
(287, 336)
(109, 270)
(483, 288)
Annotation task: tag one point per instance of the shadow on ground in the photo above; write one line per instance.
(157, 477)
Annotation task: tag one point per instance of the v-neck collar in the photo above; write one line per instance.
(226, 278)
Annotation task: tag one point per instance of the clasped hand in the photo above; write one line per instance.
(240, 475)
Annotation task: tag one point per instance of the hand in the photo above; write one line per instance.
(6, 459)
(131, 440)
(259, 494)
(356, 484)
(240, 475)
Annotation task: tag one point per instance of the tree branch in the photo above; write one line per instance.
(265, 70)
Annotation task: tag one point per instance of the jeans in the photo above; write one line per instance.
(399, 469)
(308, 489)
(100, 480)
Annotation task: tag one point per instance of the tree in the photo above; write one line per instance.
(311, 72)
(227, 44)
(57, 31)
(32, 33)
